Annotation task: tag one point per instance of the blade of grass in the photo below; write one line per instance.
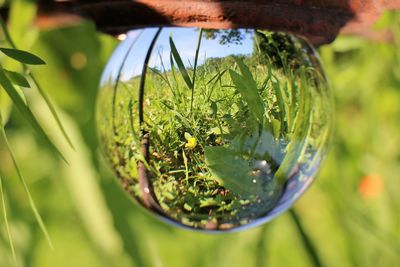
(144, 73)
(6, 220)
(300, 128)
(289, 105)
(280, 100)
(164, 78)
(177, 84)
(180, 64)
(39, 88)
(308, 243)
(179, 116)
(131, 122)
(195, 68)
(217, 78)
(175, 91)
(261, 250)
(24, 184)
(117, 79)
(164, 73)
(26, 112)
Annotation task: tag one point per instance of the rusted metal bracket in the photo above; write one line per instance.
(319, 20)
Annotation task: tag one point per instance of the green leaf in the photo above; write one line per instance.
(181, 66)
(22, 56)
(249, 92)
(22, 179)
(25, 111)
(17, 78)
(246, 73)
(231, 170)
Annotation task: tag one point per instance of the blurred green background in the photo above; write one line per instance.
(349, 217)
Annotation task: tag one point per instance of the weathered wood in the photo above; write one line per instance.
(321, 21)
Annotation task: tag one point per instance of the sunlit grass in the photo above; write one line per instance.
(24, 184)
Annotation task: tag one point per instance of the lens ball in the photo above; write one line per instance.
(214, 130)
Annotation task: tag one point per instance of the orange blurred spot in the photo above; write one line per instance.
(370, 186)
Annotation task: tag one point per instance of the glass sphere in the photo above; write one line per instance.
(214, 129)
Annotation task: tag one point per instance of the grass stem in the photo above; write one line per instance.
(115, 87)
(24, 184)
(6, 220)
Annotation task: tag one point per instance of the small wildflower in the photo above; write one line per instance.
(218, 141)
(191, 143)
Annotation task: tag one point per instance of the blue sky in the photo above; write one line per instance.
(138, 41)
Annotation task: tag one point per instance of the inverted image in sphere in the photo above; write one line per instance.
(214, 129)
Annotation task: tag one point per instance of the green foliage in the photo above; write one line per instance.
(23, 182)
(27, 58)
(277, 49)
(21, 56)
(181, 66)
(231, 169)
(247, 87)
(25, 111)
(226, 37)
(346, 228)
(181, 136)
(7, 81)
(233, 109)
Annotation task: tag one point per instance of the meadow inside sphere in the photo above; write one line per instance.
(214, 129)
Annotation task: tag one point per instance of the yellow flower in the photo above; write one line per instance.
(191, 143)
(218, 140)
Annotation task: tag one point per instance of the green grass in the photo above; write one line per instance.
(5, 217)
(346, 227)
(209, 126)
(38, 217)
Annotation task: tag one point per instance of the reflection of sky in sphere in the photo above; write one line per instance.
(185, 39)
